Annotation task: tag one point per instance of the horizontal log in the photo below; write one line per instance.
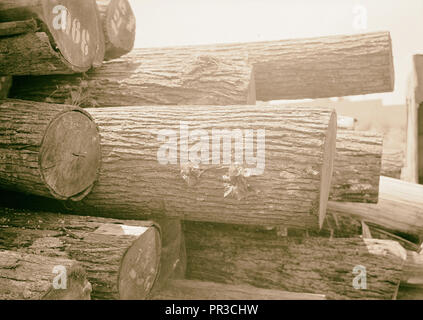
(400, 207)
(122, 258)
(154, 80)
(357, 167)
(33, 277)
(199, 290)
(68, 41)
(286, 183)
(14, 28)
(48, 150)
(392, 163)
(242, 255)
(119, 27)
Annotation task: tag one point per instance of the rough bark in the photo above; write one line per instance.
(400, 207)
(30, 277)
(357, 167)
(119, 26)
(68, 40)
(138, 160)
(238, 255)
(5, 84)
(48, 150)
(18, 27)
(392, 163)
(199, 290)
(413, 171)
(153, 80)
(121, 257)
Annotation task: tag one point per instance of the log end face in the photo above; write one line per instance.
(327, 167)
(140, 266)
(120, 29)
(69, 159)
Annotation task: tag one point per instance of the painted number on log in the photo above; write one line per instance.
(71, 27)
(117, 19)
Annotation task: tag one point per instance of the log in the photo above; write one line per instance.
(400, 208)
(14, 28)
(200, 290)
(32, 277)
(119, 27)
(154, 80)
(68, 40)
(392, 163)
(121, 257)
(413, 171)
(357, 167)
(5, 84)
(287, 182)
(48, 150)
(240, 255)
(293, 69)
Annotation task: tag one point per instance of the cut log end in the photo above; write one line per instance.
(70, 155)
(327, 167)
(140, 266)
(120, 28)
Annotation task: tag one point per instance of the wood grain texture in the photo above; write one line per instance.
(119, 27)
(121, 257)
(30, 277)
(48, 150)
(400, 207)
(158, 79)
(243, 255)
(392, 163)
(68, 40)
(357, 167)
(199, 290)
(297, 153)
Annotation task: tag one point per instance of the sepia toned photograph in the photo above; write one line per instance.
(193, 151)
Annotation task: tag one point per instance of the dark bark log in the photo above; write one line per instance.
(68, 41)
(119, 27)
(14, 28)
(357, 167)
(400, 207)
(31, 277)
(121, 257)
(297, 154)
(48, 150)
(199, 290)
(241, 255)
(154, 80)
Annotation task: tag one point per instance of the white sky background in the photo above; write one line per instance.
(184, 22)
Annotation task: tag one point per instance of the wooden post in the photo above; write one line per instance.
(5, 84)
(31, 277)
(68, 38)
(199, 290)
(119, 27)
(286, 183)
(154, 80)
(413, 171)
(48, 150)
(400, 207)
(241, 255)
(121, 258)
(357, 167)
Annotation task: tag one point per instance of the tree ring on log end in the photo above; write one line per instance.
(69, 158)
(140, 266)
(74, 28)
(120, 28)
(327, 167)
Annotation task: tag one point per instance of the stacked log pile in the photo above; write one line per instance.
(172, 184)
